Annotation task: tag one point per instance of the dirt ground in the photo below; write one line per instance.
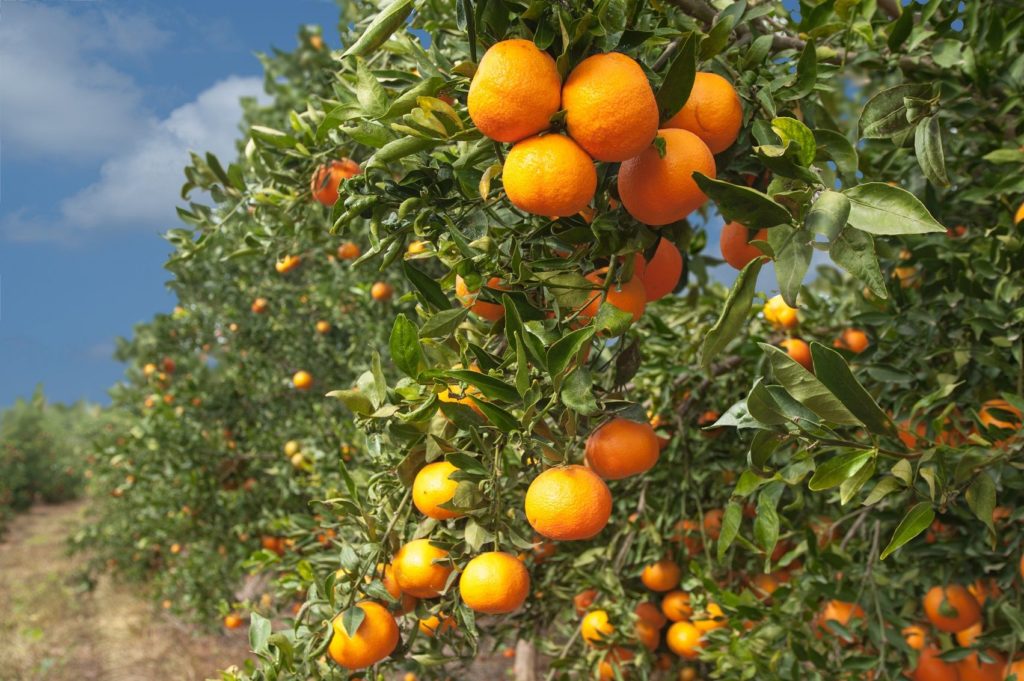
(50, 630)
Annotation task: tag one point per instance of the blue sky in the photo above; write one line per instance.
(101, 101)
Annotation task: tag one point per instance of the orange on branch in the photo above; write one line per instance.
(621, 448)
(659, 275)
(734, 242)
(494, 583)
(549, 176)
(433, 487)
(568, 503)
(374, 639)
(659, 190)
(713, 112)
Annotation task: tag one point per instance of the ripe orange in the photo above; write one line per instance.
(676, 606)
(663, 575)
(583, 600)
(628, 296)
(621, 448)
(349, 251)
(494, 583)
(998, 413)
(966, 637)
(323, 327)
(259, 305)
(287, 263)
(610, 108)
(916, 636)
(232, 621)
(1019, 215)
(734, 242)
(434, 625)
(713, 523)
(650, 613)
(302, 380)
(612, 661)
(492, 312)
(374, 640)
(515, 91)
(931, 668)
(550, 176)
(381, 291)
(685, 640)
(1017, 668)
(799, 352)
(432, 487)
(841, 612)
(715, 618)
(779, 314)
(406, 603)
(764, 585)
(965, 609)
(661, 273)
(854, 340)
(909, 276)
(417, 571)
(656, 190)
(972, 668)
(568, 503)
(596, 627)
(713, 112)
(327, 178)
(687, 674)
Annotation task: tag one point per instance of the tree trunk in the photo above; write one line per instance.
(525, 668)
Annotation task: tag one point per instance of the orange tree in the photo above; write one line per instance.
(638, 483)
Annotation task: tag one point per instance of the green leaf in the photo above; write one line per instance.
(792, 249)
(380, 385)
(491, 387)
(406, 351)
(380, 29)
(762, 446)
(744, 205)
(981, 498)
(369, 92)
(882, 489)
(835, 146)
(833, 371)
(400, 148)
(928, 148)
(885, 114)
(854, 251)
(734, 313)
(577, 392)
(828, 214)
(1005, 156)
(839, 468)
(806, 72)
(731, 519)
(259, 632)
(675, 89)
(351, 619)
(766, 526)
(498, 417)
(763, 407)
(720, 33)
(806, 389)
(562, 351)
(799, 136)
(901, 29)
(849, 488)
(914, 523)
(356, 401)
(428, 287)
(879, 208)
(273, 137)
(442, 324)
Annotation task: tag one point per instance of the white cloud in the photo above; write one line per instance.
(60, 98)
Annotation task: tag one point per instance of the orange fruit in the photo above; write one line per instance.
(972, 668)
(1019, 215)
(931, 668)
(612, 660)
(550, 176)
(840, 612)
(715, 618)
(406, 603)
(349, 251)
(734, 242)
(799, 352)
(568, 503)
(610, 108)
(779, 314)
(621, 448)
(657, 190)
(1017, 668)
(687, 674)
(595, 627)
(628, 296)
(259, 305)
(583, 600)
(964, 612)
(908, 275)
(998, 413)
(327, 178)
(417, 570)
(287, 263)
(764, 585)
(432, 487)
(663, 575)
(436, 624)
(713, 112)
(854, 340)
(650, 613)
(233, 621)
(416, 247)
(713, 522)
(916, 636)
(515, 91)
(374, 640)
(685, 640)
(966, 637)
(494, 583)
(381, 291)
(982, 589)
(492, 312)
(323, 327)
(676, 606)
(661, 273)
(302, 380)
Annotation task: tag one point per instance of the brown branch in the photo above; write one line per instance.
(698, 9)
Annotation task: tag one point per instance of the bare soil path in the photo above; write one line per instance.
(49, 629)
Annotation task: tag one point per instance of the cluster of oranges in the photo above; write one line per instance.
(785, 318)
